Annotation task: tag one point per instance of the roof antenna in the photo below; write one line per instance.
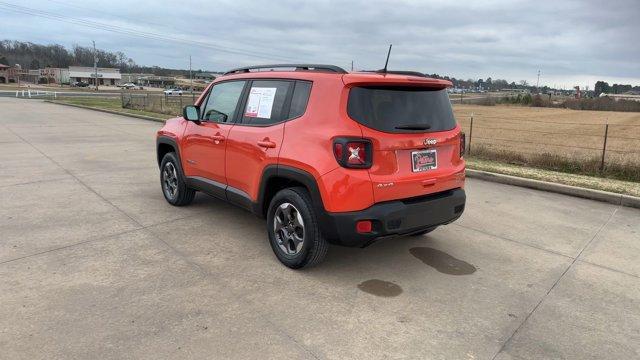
(387, 62)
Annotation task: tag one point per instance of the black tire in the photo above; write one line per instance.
(182, 195)
(313, 246)
(424, 232)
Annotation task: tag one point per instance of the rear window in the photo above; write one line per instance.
(401, 109)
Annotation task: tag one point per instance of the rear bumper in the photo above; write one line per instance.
(392, 218)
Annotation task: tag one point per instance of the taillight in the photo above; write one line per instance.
(353, 153)
(463, 143)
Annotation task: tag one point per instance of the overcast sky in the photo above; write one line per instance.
(570, 42)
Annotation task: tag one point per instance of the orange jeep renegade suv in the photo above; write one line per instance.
(325, 155)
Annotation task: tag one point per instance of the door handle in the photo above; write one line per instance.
(217, 138)
(266, 143)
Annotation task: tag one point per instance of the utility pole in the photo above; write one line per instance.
(95, 65)
(190, 77)
(538, 82)
(351, 65)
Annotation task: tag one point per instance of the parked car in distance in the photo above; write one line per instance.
(79, 84)
(173, 91)
(131, 86)
(325, 155)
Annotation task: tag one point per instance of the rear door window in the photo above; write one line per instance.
(267, 102)
(401, 109)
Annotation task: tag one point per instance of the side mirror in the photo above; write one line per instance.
(191, 113)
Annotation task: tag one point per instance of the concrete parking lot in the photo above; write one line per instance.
(95, 264)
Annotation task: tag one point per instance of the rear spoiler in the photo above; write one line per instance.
(394, 79)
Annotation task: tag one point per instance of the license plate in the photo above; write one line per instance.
(424, 160)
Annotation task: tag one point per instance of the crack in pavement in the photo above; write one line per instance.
(512, 240)
(176, 252)
(506, 342)
(548, 250)
(105, 237)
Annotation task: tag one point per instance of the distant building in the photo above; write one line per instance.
(515, 90)
(133, 77)
(54, 75)
(157, 81)
(629, 96)
(4, 77)
(10, 74)
(106, 76)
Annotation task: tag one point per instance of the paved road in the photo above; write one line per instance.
(95, 264)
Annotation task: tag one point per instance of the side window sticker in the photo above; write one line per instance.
(260, 102)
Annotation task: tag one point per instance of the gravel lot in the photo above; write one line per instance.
(95, 264)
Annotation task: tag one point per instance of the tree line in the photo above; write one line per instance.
(488, 84)
(499, 84)
(604, 87)
(36, 56)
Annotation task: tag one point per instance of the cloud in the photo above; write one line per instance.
(567, 40)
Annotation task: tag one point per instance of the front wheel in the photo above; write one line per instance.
(174, 188)
(293, 229)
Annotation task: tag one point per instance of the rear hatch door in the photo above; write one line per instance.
(416, 141)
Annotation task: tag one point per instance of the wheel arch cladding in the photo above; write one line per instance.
(276, 178)
(166, 145)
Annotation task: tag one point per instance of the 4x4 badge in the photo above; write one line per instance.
(428, 142)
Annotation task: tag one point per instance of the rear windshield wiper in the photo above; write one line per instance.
(413, 127)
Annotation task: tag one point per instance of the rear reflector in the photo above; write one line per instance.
(364, 226)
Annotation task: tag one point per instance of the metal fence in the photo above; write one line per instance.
(601, 145)
(35, 94)
(158, 103)
(53, 95)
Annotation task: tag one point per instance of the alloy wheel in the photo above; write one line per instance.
(170, 180)
(288, 228)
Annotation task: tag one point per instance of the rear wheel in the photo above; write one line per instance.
(293, 229)
(174, 188)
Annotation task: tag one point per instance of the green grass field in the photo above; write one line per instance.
(590, 182)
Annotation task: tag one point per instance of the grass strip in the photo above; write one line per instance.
(585, 181)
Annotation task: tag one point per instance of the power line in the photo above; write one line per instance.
(102, 11)
(131, 32)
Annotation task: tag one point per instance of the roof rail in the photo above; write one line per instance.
(297, 67)
(397, 72)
